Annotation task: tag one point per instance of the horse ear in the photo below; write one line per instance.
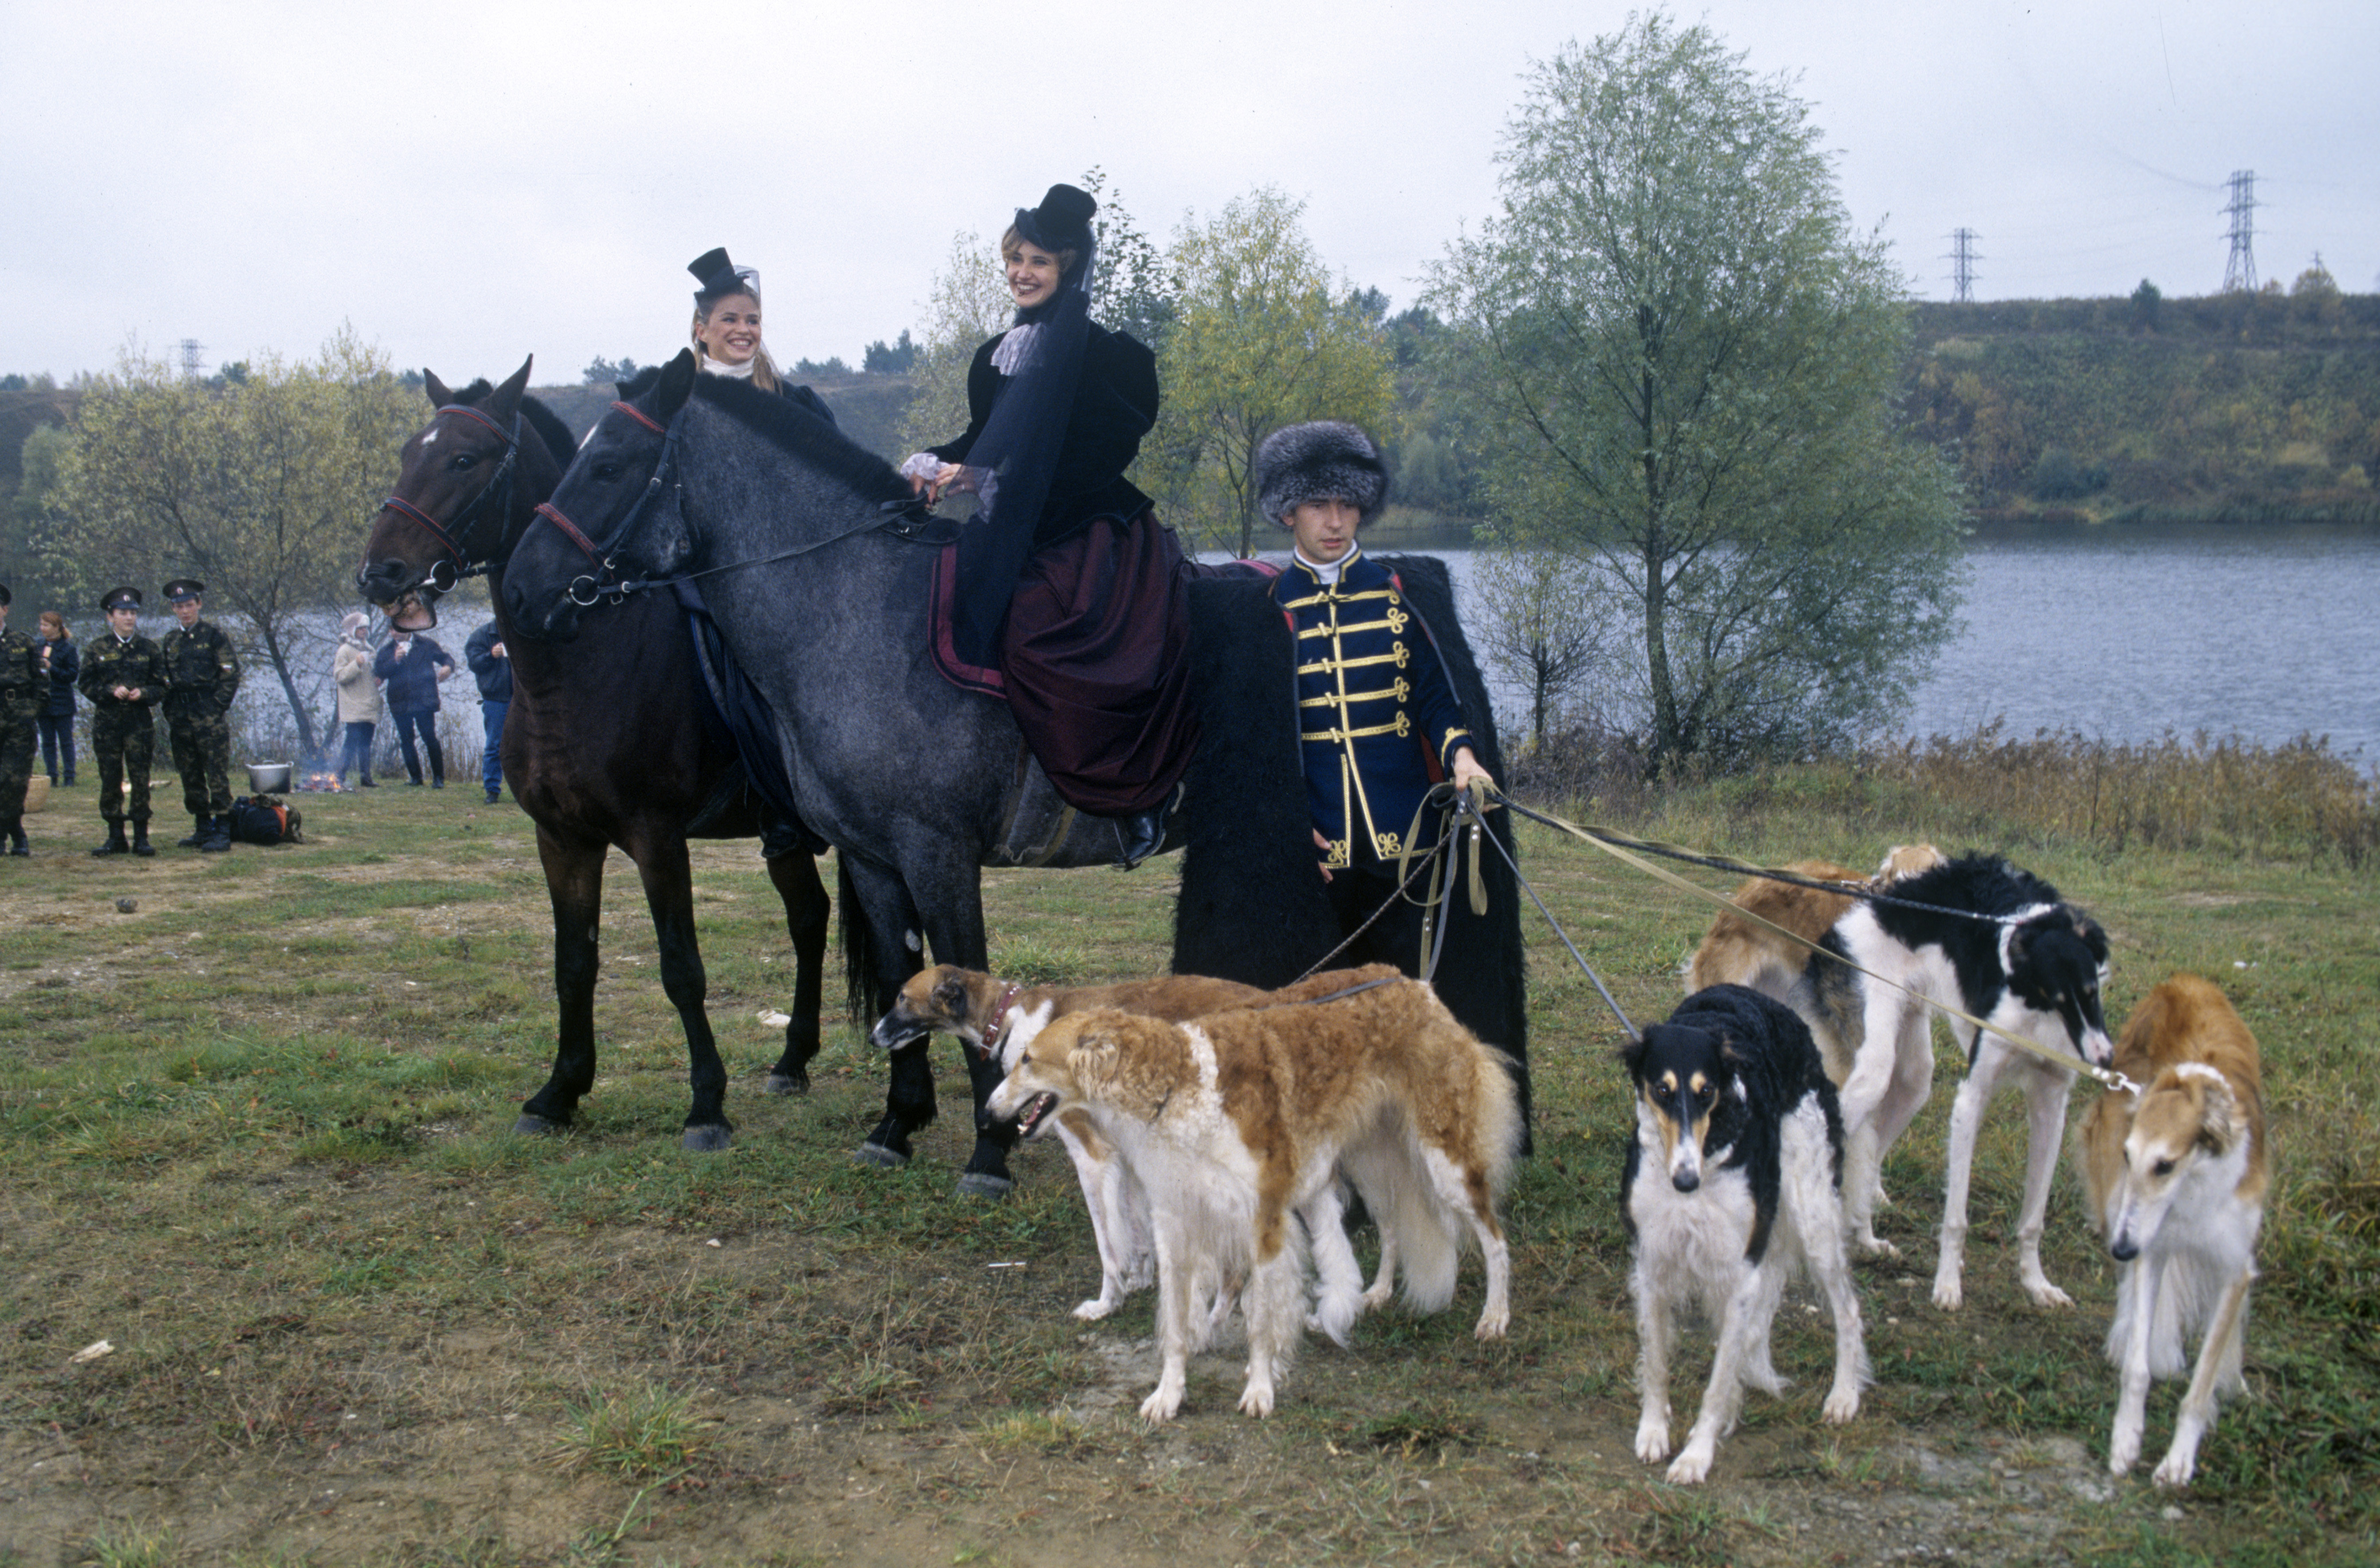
(677, 385)
(507, 401)
(439, 395)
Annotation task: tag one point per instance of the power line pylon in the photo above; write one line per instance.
(2240, 272)
(1962, 260)
(193, 354)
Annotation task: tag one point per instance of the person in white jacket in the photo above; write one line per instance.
(351, 667)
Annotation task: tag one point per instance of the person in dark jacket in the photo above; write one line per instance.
(201, 678)
(23, 687)
(413, 665)
(727, 331)
(1067, 596)
(1379, 720)
(55, 721)
(123, 676)
(493, 670)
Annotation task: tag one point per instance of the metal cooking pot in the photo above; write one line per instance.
(269, 778)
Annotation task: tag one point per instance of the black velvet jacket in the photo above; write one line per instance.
(1115, 405)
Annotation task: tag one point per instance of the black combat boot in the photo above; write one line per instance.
(218, 839)
(140, 845)
(198, 835)
(114, 845)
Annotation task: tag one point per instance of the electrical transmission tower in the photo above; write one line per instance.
(193, 354)
(2240, 272)
(1962, 260)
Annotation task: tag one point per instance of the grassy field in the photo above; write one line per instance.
(254, 1134)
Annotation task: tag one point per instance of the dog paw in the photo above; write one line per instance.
(1256, 1400)
(1158, 1407)
(1491, 1325)
(2176, 1471)
(2043, 1293)
(1842, 1405)
(1950, 1294)
(1689, 1468)
(2123, 1451)
(1092, 1311)
(1874, 1245)
(1652, 1441)
(1377, 1297)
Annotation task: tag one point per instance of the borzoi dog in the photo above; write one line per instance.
(1741, 952)
(1997, 942)
(2177, 1180)
(1238, 1125)
(1730, 1183)
(998, 1018)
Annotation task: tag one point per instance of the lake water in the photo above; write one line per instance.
(2267, 634)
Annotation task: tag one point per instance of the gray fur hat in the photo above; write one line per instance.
(1326, 460)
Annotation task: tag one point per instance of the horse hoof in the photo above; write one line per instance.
(984, 1185)
(705, 1139)
(875, 1154)
(796, 1082)
(535, 1125)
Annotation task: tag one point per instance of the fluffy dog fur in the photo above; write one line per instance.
(989, 1014)
(1239, 1123)
(2176, 1181)
(1732, 1182)
(1737, 952)
(2031, 965)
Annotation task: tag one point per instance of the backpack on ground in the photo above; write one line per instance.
(262, 818)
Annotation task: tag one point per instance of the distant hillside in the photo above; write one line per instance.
(2229, 408)
(867, 408)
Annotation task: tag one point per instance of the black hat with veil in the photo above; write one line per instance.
(1012, 461)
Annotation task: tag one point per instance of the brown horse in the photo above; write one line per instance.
(616, 743)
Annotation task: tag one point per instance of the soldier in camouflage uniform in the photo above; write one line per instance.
(202, 677)
(123, 675)
(24, 686)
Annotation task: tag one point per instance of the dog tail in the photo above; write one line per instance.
(1428, 1249)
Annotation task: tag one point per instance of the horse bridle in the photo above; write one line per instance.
(601, 583)
(908, 519)
(453, 558)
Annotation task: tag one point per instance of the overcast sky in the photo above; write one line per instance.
(467, 183)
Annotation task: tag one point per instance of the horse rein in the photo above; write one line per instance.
(454, 558)
(588, 589)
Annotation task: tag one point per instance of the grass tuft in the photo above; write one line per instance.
(643, 1434)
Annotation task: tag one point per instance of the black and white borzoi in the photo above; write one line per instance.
(1998, 944)
(1732, 1181)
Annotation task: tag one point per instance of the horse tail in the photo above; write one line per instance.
(864, 993)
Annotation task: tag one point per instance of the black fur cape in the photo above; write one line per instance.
(1252, 907)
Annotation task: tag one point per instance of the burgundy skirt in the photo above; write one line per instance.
(1095, 664)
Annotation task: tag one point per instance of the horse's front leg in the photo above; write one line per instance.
(574, 881)
(669, 893)
(807, 907)
(895, 943)
(953, 893)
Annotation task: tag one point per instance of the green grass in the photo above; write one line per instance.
(257, 1135)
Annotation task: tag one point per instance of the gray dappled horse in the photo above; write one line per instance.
(613, 744)
(810, 552)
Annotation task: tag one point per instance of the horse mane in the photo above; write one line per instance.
(542, 419)
(803, 435)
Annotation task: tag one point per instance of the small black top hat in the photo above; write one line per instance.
(126, 598)
(1063, 222)
(719, 276)
(183, 588)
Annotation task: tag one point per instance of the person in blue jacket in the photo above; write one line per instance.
(413, 665)
(1379, 720)
(484, 652)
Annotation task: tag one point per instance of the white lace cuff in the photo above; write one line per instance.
(920, 465)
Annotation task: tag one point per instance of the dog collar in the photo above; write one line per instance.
(989, 1045)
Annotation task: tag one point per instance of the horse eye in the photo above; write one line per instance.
(462, 461)
(607, 471)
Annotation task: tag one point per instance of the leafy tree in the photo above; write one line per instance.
(1263, 340)
(1136, 290)
(260, 490)
(1684, 360)
(42, 571)
(880, 359)
(967, 303)
(601, 371)
(831, 366)
(1540, 623)
(2148, 302)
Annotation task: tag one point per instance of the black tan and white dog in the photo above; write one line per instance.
(1998, 944)
(1239, 1125)
(1730, 1183)
(2177, 1180)
(999, 1017)
(1739, 952)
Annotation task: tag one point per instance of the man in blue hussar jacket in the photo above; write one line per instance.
(1379, 719)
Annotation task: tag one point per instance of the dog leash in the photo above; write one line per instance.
(2106, 1077)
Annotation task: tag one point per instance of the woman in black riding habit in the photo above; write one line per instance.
(727, 329)
(1067, 598)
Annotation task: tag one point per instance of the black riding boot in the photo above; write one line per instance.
(140, 845)
(114, 845)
